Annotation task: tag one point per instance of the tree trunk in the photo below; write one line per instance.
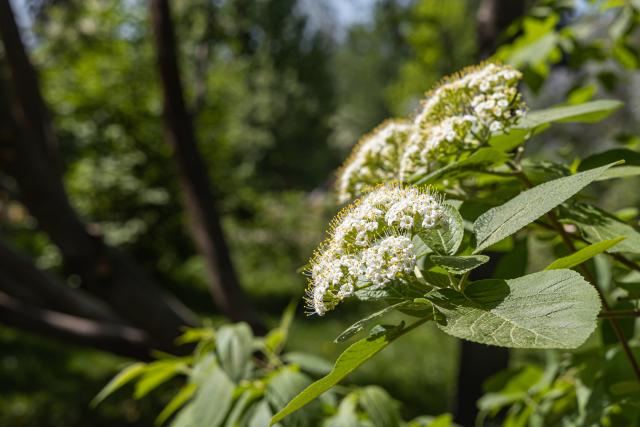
(27, 153)
(492, 18)
(199, 197)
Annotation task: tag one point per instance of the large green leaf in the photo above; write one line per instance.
(584, 254)
(354, 356)
(548, 309)
(459, 264)
(125, 376)
(380, 408)
(502, 221)
(284, 386)
(597, 226)
(242, 405)
(447, 237)
(234, 345)
(213, 399)
(589, 112)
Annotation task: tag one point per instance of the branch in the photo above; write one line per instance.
(200, 200)
(23, 280)
(620, 313)
(26, 155)
(118, 339)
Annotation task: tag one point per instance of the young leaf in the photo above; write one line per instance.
(459, 264)
(502, 221)
(156, 374)
(176, 403)
(354, 356)
(446, 239)
(360, 324)
(548, 309)
(123, 377)
(589, 112)
(584, 254)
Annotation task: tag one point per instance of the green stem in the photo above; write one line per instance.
(463, 281)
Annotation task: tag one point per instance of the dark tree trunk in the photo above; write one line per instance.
(27, 153)
(200, 200)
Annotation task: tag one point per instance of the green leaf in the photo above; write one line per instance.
(176, 403)
(584, 254)
(445, 239)
(241, 406)
(354, 356)
(381, 410)
(213, 399)
(360, 324)
(597, 226)
(234, 345)
(548, 309)
(589, 112)
(156, 374)
(185, 418)
(630, 157)
(502, 221)
(195, 335)
(261, 416)
(123, 377)
(275, 339)
(620, 172)
(284, 386)
(346, 415)
(484, 156)
(308, 362)
(459, 264)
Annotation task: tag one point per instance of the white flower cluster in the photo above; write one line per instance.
(447, 137)
(371, 244)
(459, 115)
(373, 160)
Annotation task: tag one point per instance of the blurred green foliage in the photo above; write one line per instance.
(277, 100)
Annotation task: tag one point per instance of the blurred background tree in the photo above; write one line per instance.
(277, 92)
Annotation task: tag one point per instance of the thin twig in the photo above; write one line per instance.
(620, 313)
